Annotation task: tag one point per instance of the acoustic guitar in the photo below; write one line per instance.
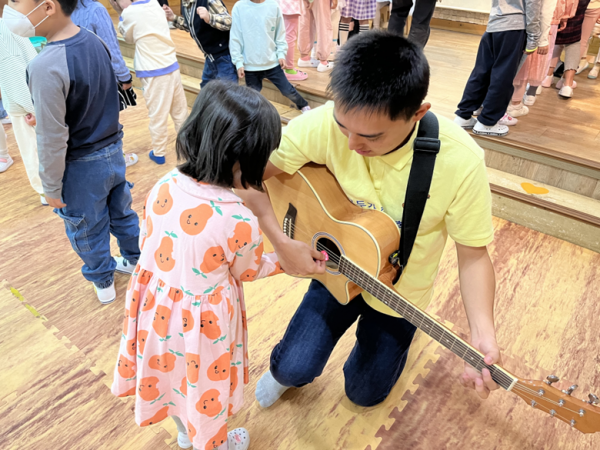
(312, 208)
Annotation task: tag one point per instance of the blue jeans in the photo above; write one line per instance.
(3, 113)
(220, 69)
(375, 363)
(98, 200)
(277, 77)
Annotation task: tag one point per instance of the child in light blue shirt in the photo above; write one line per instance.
(258, 47)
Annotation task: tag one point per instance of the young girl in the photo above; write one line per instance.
(291, 13)
(184, 348)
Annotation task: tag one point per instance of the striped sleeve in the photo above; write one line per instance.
(15, 53)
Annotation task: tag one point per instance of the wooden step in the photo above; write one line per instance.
(557, 212)
(191, 86)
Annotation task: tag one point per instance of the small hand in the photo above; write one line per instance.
(482, 382)
(298, 258)
(126, 86)
(203, 13)
(241, 72)
(334, 4)
(116, 6)
(542, 50)
(30, 120)
(562, 26)
(282, 63)
(169, 13)
(55, 202)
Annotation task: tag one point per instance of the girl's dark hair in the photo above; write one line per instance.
(381, 72)
(228, 124)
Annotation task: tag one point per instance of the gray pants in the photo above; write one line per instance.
(572, 55)
(419, 29)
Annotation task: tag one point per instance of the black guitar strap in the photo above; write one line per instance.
(426, 147)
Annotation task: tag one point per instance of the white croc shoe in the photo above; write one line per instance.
(311, 63)
(467, 124)
(238, 439)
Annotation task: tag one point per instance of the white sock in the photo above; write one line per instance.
(362, 28)
(344, 30)
(268, 390)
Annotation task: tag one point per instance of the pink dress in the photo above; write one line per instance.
(184, 345)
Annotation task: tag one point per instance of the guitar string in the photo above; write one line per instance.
(505, 377)
(436, 334)
(535, 395)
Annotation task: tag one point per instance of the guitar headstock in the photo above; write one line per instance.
(584, 415)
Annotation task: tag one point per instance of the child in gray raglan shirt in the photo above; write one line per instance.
(74, 92)
(513, 28)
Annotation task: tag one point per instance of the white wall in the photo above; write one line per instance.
(469, 5)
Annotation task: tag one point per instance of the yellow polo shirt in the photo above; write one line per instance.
(460, 203)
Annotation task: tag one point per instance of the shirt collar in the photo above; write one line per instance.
(399, 158)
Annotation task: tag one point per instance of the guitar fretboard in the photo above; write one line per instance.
(422, 321)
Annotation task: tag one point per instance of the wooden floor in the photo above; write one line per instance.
(59, 345)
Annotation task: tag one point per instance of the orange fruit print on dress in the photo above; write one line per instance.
(163, 202)
(125, 367)
(213, 259)
(233, 380)
(216, 297)
(193, 367)
(193, 221)
(175, 294)
(242, 235)
(162, 414)
(142, 335)
(191, 431)
(161, 320)
(135, 304)
(219, 369)
(183, 387)
(208, 325)
(187, 320)
(165, 362)
(209, 403)
(218, 439)
(148, 301)
(164, 255)
(148, 390)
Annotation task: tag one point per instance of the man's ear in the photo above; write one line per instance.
(421, 112)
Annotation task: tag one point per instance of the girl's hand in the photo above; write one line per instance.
(334, 4)
(241, 72)
(282, 63)
(542, 50)
(562, 25)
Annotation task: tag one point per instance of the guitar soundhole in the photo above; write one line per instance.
(325, 244)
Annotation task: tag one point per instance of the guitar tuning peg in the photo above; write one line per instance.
(570, 390)
(593, 399)
(551, 379)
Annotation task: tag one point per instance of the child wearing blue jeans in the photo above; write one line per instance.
(258, 47)
(82, 168)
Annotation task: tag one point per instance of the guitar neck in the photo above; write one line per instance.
(424, 322)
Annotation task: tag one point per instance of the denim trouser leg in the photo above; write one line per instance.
(373, 367)
(95, 191)
(278, 78)
(220, 69)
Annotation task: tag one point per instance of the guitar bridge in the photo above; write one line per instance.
(289, 221)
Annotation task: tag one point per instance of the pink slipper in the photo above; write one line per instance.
(298, 76)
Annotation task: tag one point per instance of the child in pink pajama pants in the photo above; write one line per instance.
(291, 11)
(315, 21)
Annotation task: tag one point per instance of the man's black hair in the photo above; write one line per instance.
(228, 124)
(380, 72)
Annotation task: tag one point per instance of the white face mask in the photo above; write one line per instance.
(18, 23)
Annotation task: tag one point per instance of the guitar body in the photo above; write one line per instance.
(315, 210)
